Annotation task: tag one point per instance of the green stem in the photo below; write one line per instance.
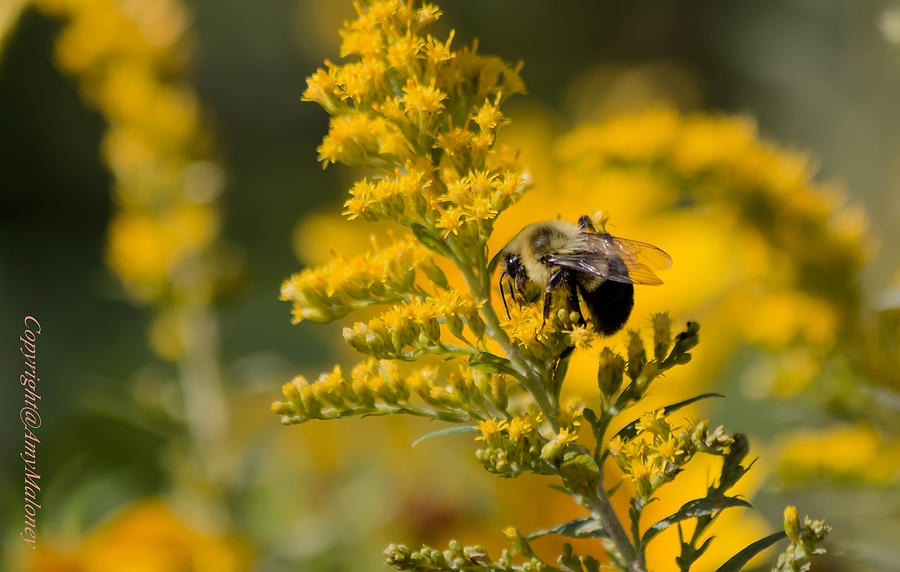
(205, 408)
(533, 384)
(636, 511)
(602, 508)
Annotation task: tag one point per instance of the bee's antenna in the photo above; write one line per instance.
(502, 294)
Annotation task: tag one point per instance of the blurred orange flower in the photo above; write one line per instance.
(148, 537)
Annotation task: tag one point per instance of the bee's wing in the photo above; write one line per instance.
(598, 253)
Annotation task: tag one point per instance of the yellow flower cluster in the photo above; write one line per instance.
(544, 342)
(805, 541)
(641, 372)
(132, 540)
(9, 17)
(804, 248)
(475, 557)
(325, 293)
(839, 454)
(390, 197)
(424, 114)
(408, 330)
(148, 248)
(481, 394)
(425, 117)
(660, 449)
(475, 200)
(376, 387)
(130, 61)
(515, 445)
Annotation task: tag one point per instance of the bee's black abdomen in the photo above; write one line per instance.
(610, 305)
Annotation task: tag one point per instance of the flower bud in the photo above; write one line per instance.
(687, 339)
(662, 335)
(637, 357)
(792, 524)
(476, 324)
(649, 372)
(374, 343)
(375, 289)
(399, 388)
(644, 487)
(397, 555)
(435, 274)
(519, 543)
(580, 472)
(362, 392)
(355, 337)
(609, 372)
(814, 531)
(284, 408)
(310, 402)
(554, 447)
(431, 330)
(455, 325)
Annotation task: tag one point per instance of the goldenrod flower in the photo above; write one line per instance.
(346, 284)
(655, 423)
(670, 449)
(644, 472)
(792, 523)
(147, 536)
(163, 239)
(520, 427)
(553, 449)
(856, 454)
(424, 119)
(491, 429)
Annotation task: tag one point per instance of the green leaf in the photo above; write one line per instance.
(700, 550)
(584, 527)
(693, 509)
(428, 238)
(739, 560)
(591, 564)
(630, 430)
(488, 362)
(443, 432)
(614, 488)
(732, 470)
(559, 374)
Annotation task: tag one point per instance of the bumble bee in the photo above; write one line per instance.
(601, 268)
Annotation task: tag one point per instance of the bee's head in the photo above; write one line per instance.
(514, 271)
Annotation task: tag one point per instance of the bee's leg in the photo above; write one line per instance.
(556, 280)
(503, 295)
(521, 282)
(574, 303)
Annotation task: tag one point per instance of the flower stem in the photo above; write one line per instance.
(532, 384)
(602, 508)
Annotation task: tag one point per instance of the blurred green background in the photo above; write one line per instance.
(818, 76)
